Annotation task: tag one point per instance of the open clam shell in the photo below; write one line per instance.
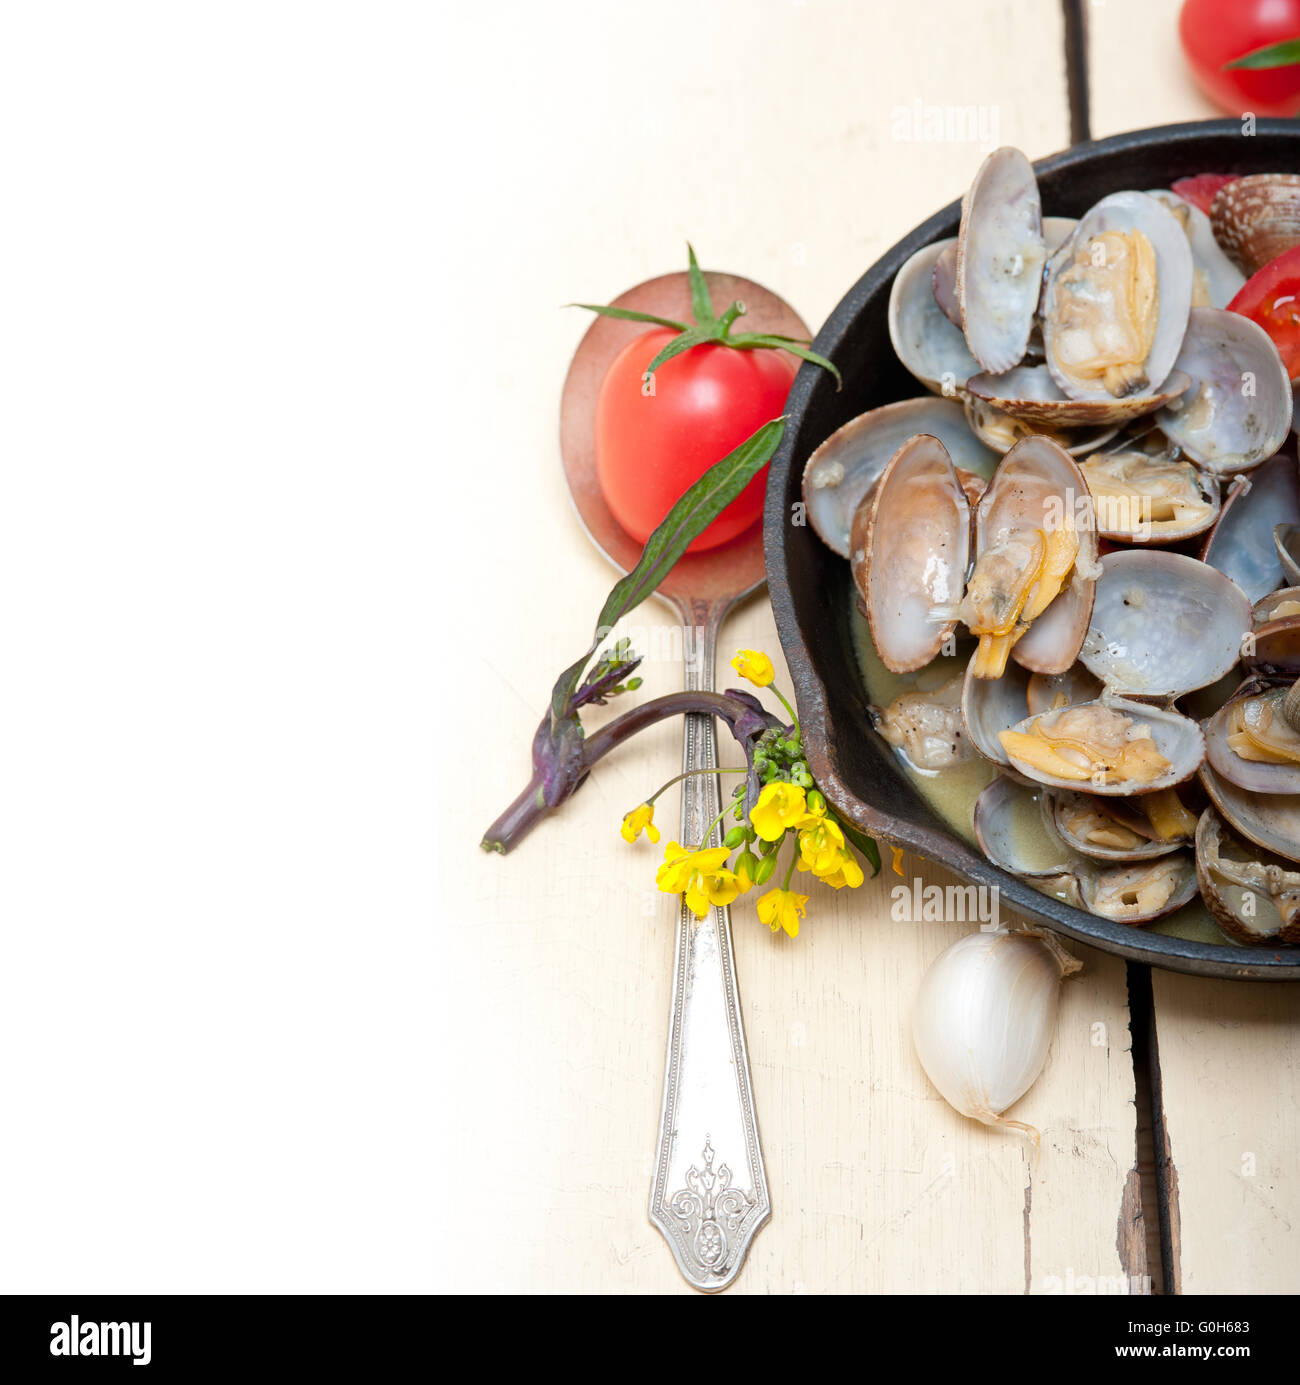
(1030, 393)
(1256, 700)
(842, 471)
(1177, 738)
(1238, 411)
(930, 346)
(1017, 833)
(1216, 280)
(1274, 648)
(990, 705)
(1001, 432)
(1036, 486)
(1085, 822)
(1000, 257)
(1269, 820)
(1066, 341)
(1253, 894)
(1139, 891)
(1286, 540)
(1282, 604)
(1241, 543)
(1257, 218)
(1163, 624)
(909, 551)
(1130, 488)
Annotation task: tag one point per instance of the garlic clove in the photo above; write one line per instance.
(984, 1019)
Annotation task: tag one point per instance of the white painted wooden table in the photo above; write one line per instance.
(585, 143)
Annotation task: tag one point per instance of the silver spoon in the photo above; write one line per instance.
(709, 1197)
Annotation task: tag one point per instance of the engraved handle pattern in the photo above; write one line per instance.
(710, 1191)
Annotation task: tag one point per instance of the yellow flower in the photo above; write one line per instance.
(710, 887)
(779, 806)
(681, 865)
(754, 665)
(639, 819)
(782, 909)
(821, 844)
(848, 872)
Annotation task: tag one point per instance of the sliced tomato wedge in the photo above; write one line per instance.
(1199, 190)
(1271, 297)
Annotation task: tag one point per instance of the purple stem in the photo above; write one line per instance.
(529, 808)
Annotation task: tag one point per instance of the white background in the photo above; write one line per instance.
(220, 522)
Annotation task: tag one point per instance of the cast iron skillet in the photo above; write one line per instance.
(810, 586)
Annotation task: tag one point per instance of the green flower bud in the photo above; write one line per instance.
(816, 803)
(767, 848)
(734, 838)
(766, 867)
(747, 864)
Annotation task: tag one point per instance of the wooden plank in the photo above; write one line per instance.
(791, 149)
(1230, 1077)
(1136, 73)
(1229, 1055)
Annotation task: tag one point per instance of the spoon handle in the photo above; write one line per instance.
(710, 1190)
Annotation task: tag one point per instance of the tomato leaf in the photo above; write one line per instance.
(1284, 54)
(686, 521)
(629, 316)
(750, 340)
(701, 300)
(692, 336)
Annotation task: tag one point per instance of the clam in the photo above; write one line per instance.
(1032, 394)
(1030, 592)
(1016, 831)
(1140, 498)
(1238, 411)
(990, 706)
(1163, 624)
(1016, 834)
(1116, 301)
(925, 726)
(1286, 540)
(909, 550)
(1216, 281)
(1000, 257)
(1274, 645)
(1269, 820)
(1253, 894)
(1001, 431)
(1257, 218)
(842, 471)
(1282, 604)
(1116, 829)
(1241, 543)
(1111, 746)
(1253, 740)
(1140, 891)
(930, 346)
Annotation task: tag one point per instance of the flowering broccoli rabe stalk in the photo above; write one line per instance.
(776, 799)
(787, 806)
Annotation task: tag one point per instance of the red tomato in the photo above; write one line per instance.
(1271, 297)
(1200, 189)
(651, 446)
(1215, 32)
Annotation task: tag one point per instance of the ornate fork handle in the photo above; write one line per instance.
(710, 1190)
